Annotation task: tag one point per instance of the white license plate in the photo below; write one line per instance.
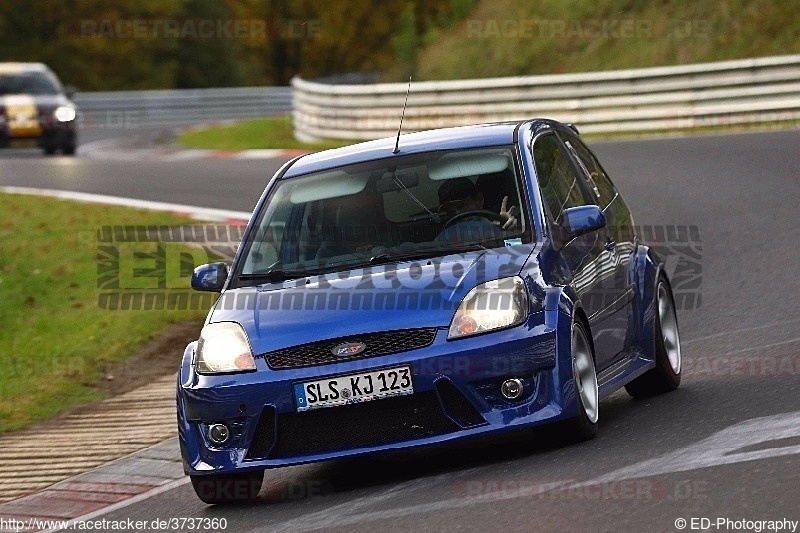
(354, 388)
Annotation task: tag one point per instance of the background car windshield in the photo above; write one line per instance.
(27, 83)
(390, 209)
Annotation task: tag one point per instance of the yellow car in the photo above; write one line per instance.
(35, 110)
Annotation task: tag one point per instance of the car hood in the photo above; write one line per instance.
(408, 295)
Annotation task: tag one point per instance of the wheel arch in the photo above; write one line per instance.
(579, 315)
(649, 269)
(569, 304)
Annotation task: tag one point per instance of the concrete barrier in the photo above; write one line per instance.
(662, 98)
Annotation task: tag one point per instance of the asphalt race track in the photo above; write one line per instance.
(725, 445)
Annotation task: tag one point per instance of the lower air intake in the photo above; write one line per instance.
(264, 436)
(457, 406)
(361, 425)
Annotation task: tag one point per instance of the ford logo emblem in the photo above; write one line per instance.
(348, 348)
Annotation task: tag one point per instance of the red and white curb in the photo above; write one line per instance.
(114, 485)
(63, 473)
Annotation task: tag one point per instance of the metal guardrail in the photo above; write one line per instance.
(178, 107)
(663, 98)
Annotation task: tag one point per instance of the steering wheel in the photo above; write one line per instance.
(473, 213)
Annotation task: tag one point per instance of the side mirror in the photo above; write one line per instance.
(210, 277)
(69, 91)
(583, 219)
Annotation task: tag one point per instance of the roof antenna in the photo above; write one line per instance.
(397, 142)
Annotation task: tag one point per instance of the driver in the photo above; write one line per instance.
(461, 195)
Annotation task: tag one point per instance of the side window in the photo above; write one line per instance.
(557, 179)
(602, 186)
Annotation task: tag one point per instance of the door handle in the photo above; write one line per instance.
(610, 243)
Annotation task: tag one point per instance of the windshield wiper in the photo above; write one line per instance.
(274, 274)
(435, 218)
(382, 258)
(278, 274)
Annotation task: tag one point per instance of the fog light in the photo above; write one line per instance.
(511, 389)
(218, 434)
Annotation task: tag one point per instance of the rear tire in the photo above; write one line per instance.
(68, 149)
(666, 376)
(584, 426)
(50, 150)
(228, 488)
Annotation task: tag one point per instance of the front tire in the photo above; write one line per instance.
(666, 376)
(584, 426)
(228, 488)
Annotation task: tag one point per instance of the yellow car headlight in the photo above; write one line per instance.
(223, 347)
(492, 305)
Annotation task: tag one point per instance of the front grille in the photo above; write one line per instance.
(318, 353)
(372, 423)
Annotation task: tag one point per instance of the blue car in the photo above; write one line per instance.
(403, 292)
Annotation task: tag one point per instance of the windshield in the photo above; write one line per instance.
(27, 83)
(401, 208)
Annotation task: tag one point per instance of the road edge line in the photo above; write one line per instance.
(200, 213)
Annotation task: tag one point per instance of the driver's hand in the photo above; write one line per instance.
(507, 214)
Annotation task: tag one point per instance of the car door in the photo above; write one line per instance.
(585, 257)
(619, 248)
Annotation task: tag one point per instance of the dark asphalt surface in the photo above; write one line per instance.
(217, 183)
(726, 444)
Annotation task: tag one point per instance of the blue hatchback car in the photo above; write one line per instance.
(390, 295)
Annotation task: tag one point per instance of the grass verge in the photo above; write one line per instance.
(249, 134)
(272, 132)
(58, 343)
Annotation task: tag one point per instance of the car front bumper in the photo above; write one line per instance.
(456, 395)
(54, 135)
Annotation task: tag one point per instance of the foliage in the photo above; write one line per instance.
(389, 39)
(91, 44)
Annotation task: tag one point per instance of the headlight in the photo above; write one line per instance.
(492, 305)
(223, 347)
(64, 114)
